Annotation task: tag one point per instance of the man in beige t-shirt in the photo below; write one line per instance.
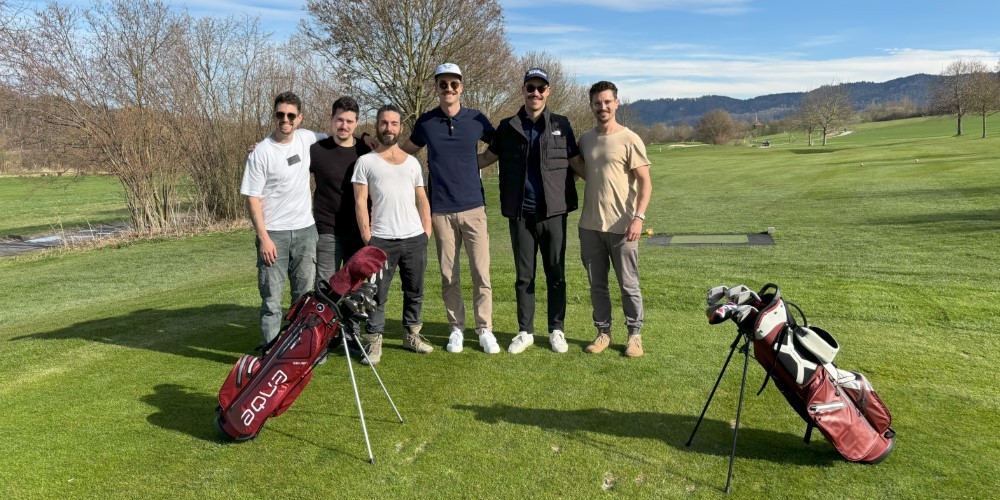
(618, 189)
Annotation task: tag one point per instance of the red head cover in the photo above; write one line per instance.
(360, 267)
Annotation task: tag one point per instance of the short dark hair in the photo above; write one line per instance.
(387, 107)
(346, 104)
(601, 86)
(289, 98)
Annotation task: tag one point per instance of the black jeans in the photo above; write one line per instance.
(528, 235)
(410, 256)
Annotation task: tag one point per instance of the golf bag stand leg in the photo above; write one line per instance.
(732, 349)
(357, 397)
(739, 409)
(386, 391)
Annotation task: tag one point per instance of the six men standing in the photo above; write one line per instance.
(538, 159)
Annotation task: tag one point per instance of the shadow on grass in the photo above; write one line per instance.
(714, 436)
(951, 222)
(184, 410)
(218, 332)
(214, 332)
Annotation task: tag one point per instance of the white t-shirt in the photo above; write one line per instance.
(278, 174)
(392, 191)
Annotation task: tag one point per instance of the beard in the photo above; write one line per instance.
(386, 138)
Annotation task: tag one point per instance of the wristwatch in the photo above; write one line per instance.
(641, 216)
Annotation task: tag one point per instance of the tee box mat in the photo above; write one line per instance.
(710, 240)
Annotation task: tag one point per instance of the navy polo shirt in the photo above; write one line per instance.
(534, 193)
(452, 157)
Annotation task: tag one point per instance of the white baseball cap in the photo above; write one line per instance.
(448, 69)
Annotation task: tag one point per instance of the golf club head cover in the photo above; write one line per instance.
(721, 313)
(368, 261)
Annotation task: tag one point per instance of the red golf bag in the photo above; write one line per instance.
(799, 359)
(259, 388)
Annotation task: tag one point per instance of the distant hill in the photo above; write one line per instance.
(776, 106)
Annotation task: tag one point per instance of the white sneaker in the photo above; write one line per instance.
(521, 342)
(455, 340)
(558, 341)
(488, 341)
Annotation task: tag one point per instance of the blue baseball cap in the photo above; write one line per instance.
(536, 73)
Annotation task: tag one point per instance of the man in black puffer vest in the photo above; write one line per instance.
(535, 147)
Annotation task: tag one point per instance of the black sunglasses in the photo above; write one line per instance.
(530, 88)
(280, 115)
(455, 84)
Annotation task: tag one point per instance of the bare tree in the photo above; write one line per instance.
(827, 107)
(387, 50)
(105, 74)
(952, 93)
(231, 73)
(715, 127)
(984, 93)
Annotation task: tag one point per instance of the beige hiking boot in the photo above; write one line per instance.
(415, 342)
(599, 344)
(372, 344)
(633, 348)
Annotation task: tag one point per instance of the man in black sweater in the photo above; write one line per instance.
(332, 166)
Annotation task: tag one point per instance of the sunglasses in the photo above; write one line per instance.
(455, 84)
(280, 115)
(530, 88)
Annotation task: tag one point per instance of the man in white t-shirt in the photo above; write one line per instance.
(400, 224)
(276, 184)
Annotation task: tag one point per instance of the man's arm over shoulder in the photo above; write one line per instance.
(310, 137)
(492, 152)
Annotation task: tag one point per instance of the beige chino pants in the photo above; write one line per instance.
(451, 231)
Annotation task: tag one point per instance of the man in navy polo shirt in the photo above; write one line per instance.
(458, 207)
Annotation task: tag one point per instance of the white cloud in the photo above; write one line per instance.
(744, 77)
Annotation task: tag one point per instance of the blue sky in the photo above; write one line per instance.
(739, 48)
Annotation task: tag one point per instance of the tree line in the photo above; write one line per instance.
(169, 102)
(964, 88)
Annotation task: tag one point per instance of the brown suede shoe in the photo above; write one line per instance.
(599, 344)
(373, 347)
(633, 348)
(415, 342)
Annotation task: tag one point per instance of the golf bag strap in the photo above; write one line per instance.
(791, 319)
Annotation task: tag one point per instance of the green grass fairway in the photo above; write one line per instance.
(30, 206)
(111, 358)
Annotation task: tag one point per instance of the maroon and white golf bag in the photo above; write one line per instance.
(799, 359)
(259, 388)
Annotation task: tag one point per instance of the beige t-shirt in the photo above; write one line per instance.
(611, 189)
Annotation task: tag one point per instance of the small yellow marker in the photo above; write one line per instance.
(649, 232)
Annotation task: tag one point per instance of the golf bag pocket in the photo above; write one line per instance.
(841, 422)
(817, 342)
(861, 393)
(242, 373)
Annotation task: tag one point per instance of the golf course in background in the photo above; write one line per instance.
(111, 358)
